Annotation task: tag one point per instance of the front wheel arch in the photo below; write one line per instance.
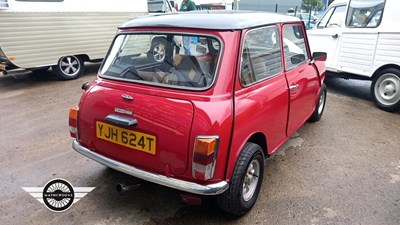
(319, 106)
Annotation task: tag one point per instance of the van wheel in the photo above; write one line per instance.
(69, 67)
(385, 89)
(245, 182)
(319, 108)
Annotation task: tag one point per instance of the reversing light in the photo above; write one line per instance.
(73, 118)
(204, 157)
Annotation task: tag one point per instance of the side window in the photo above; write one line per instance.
(294, 46)
(261, 56)
(365, 13)
(333, 18)
(3, 4)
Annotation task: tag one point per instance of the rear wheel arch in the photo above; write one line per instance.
(83, 57)
(245, 183)
(257, 138)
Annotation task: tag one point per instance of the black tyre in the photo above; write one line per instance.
(160, 49)
(385, 89)
(320, 107)
(245, 182)
(69, 67)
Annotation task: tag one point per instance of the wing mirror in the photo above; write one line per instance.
(318, 56)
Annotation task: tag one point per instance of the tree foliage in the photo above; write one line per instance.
(309, 5)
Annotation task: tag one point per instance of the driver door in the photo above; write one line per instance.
(302, 77)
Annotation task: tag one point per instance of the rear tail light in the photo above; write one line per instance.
(204, 157)
(73, 118)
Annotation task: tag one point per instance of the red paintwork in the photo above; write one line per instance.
(229, 110)
(302, 100)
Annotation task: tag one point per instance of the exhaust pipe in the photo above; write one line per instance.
(122, 187)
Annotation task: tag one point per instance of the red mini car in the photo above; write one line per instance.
(197, 101)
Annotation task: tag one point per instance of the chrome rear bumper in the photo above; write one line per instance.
(211, 189)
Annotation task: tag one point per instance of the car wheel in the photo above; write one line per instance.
(245, 182)
(385, 89)
(159, 49)
(69, 67)
(320, 107)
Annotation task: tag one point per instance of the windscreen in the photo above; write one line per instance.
(157, 6)
(365, 13)
(170, 60)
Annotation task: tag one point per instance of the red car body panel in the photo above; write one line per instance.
(213, 110)
(153, 113)
(266, 111)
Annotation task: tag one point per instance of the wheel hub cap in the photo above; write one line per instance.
(387, 90)
(159, 53)
(251, 180)
(321, 102)
(69, 65)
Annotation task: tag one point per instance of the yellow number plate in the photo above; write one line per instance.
(128, 138)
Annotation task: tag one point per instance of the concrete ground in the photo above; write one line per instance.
(344, 169)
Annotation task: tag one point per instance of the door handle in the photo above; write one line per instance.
(335, 36)
(293, 87)
(121, 120)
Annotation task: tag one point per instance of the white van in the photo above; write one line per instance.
(362, 39)
(63, 34)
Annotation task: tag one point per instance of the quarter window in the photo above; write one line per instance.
(294, 46)
(261, 56)
(365, 13)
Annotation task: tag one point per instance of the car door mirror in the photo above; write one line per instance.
(319, 56)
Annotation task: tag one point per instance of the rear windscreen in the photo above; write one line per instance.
(174, 60)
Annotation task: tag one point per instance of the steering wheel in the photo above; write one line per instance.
(131, 73)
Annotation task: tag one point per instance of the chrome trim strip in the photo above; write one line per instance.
(211, 189)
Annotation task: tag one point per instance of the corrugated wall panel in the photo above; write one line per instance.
(42, 38)
(356, 52)
(387, 50)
